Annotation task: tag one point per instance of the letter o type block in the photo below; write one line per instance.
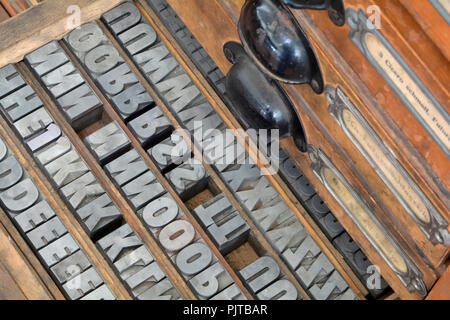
(177, 235)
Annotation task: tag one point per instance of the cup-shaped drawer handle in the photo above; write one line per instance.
(258, 101)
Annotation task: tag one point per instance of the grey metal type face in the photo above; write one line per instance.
(332, 225)
(138, 258)
(261, 192)
(34, 216)
(211, 211)
(163, 290)
(194, 259)
(99, 214)
(142, 190)
(295, 256)
(66, 168)
(20, 103)
(211, 281)
(58, 250)
(271, 215)
(126, 167)
(33, 123)
(260, 273)
(10, 80)
(321, 267)
(101, 293)
(318, 206)
(20, 197)
(161, 212)
(188, 179)
(107, 142)
(10, 172)
(116, 242)
(145, 278)
(177, 235)
(172, 151)
(230, 234)
(53, 151)
(304, 188)
(46, 233)
(289, 234)
(62, 80)
(83, 283)
(240, 175)
(82, 190)
(150, 125)
(70, 267)
(346, 243)
(47, 58)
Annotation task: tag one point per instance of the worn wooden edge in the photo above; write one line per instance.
(277, 182)
(441, 290)
(47, 21)
(20, 269)
(30, 256)
(59, 206)
(128, 214)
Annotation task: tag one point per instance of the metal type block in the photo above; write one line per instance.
(62, 80)
(156, 63)
(290, 171)
(180, 92)
(81, 106)
(99, 214)
(116, 80)
(318, 206)
(71, 266)
(172, 151)
(261, 192)
(115, 243)
(214, 210)
(332, 226)
(46, 233)
(231, 293)
(346, 244)
(202, 120)
(261, 273)
(287, 235)
(83, 283)
(194, 258)
(10, 172)
(241, 175)
(271, 215)
(10, 80)
(282, 289)
(33, 123)
(85, 38)
(47, 58)
(307, 249)
(122, 17)
(59, 250)
(163, 290)
(211, 281)
(19, 104)
(107, 142)
(161, 212)
(54, 151)
(135, 260)
(101, 293)
(142, 190)
(304, 188)
(188, 179)
(66, 168)
(138, 38)
(102, 58)
(20, 197)
(177, 235)
(334, 285)
(320, 269)
(361, 263)
(52, 133)
(34, 216)
(150, 126)
(230, 233)
(347, 295)
(132, 100)
(82, 190)
(126, 167)
(142, 280)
